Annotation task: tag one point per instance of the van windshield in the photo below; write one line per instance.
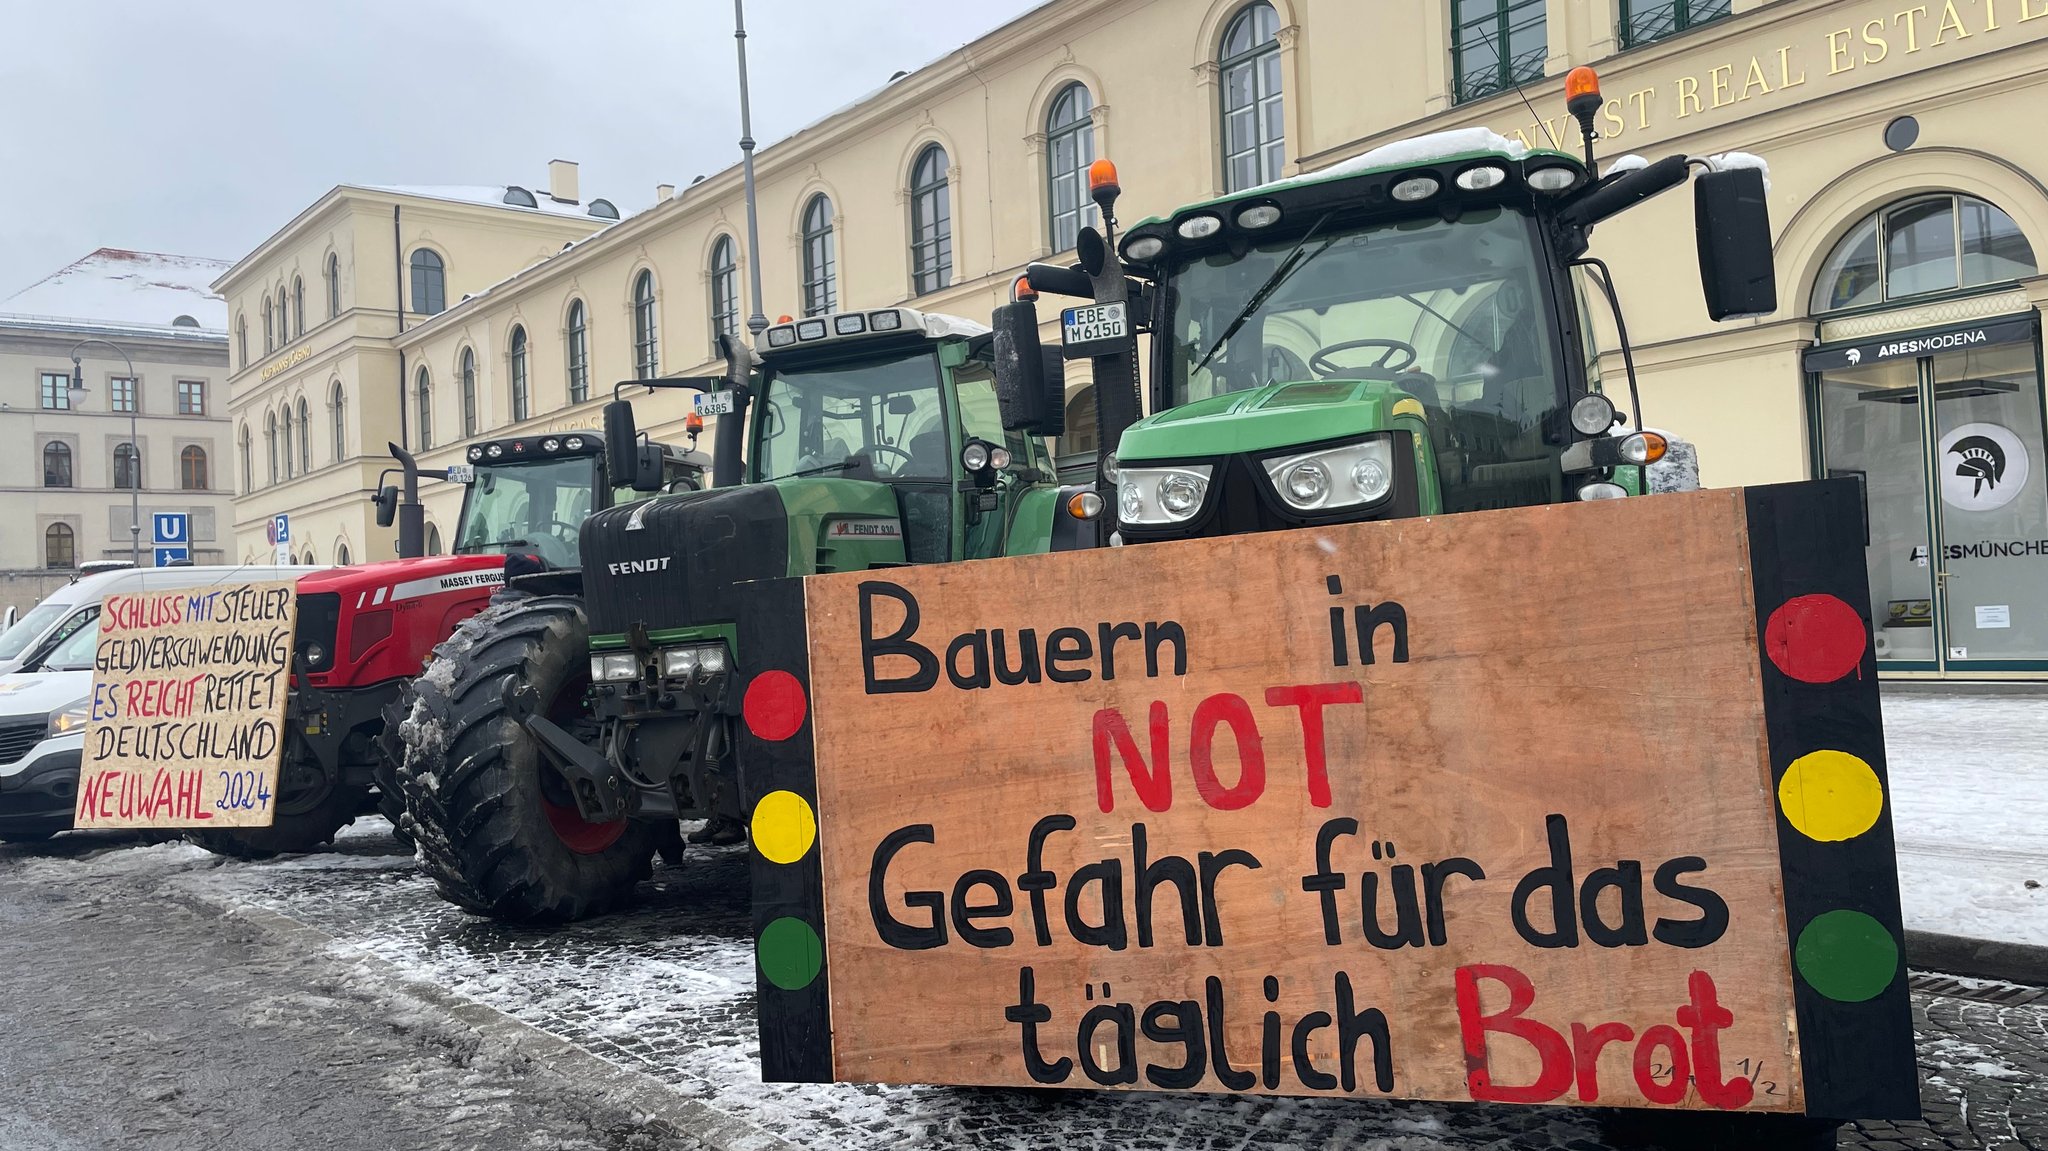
(77, 651)
(30, 627)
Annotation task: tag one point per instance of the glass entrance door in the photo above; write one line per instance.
(1992, 510)
(1871, 432)
(1948, 448)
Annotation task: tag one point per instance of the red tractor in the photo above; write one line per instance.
(365, 632)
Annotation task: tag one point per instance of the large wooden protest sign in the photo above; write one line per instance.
(188, 698)
(1570, 805)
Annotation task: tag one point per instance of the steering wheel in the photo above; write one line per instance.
(892, 449)
(564, 531)
(1321, 364)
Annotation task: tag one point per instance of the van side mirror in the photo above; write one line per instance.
(1738, 274)
(621, 442)
(386, 500)
(647, 468)
(1031, 402)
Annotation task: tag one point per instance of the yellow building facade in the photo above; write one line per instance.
(1907, 200)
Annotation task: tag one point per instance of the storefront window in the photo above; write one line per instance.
(1920, 247)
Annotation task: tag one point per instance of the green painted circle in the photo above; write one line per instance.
(1847, 956)
(790, 953)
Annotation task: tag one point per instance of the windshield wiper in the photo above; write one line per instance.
(845, 465)
(1294, 262)
(466, 549)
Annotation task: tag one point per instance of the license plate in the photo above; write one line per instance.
(714, 403)
(1094, 324)
(461, 474)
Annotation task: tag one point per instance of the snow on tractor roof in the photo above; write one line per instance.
(123, 288)
(1408, 153)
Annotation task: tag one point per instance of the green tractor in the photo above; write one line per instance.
(562, 736)
(1402, 335)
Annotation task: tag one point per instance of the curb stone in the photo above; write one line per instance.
(716, 1129)
(1977, 958)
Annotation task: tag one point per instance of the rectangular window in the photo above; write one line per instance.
(1496, 45)
(191, 397)
(1643, 21)
(122, 388)
(56, 392)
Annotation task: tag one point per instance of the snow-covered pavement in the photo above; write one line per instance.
(1969, 777)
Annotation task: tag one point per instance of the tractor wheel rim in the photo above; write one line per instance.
(579, 834)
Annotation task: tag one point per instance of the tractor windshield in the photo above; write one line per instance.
(873, 419)
(1454, 313)
(535, 507)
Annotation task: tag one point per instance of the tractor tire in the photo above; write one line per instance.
(307, 818)
(497, 830)
(390, 748)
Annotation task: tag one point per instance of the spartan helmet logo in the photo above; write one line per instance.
(1855, 356)
(1983, 461)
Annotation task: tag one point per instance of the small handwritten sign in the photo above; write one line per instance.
(188, 701)
(1575, 805)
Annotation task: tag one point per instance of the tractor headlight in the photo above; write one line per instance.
(573, 443)
(316, 655)
(1144, 249)
(679, 663)
(711, 661)
(1167, 495)
(699, 661)
(1592, 414)
(617, 667)
(1347, 475)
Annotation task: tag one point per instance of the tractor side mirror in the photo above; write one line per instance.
(647, 468)
(1738, 274)
(386, 500)
(1030, 401)
(621, 441)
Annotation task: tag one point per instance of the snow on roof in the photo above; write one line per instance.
(122, 287)
(492, 195)
(1414, 150)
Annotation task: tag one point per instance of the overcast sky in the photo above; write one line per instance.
(200, 128)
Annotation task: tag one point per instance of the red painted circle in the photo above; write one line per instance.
(774, 705)
(578, 834)
(1816, 638)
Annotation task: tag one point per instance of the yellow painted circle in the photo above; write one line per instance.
(1831, 796)
(784, 827)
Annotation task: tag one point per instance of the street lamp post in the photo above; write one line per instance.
(134, 440)
(757, 321)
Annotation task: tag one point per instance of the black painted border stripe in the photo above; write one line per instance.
(1859, 1058)
(795, 1026)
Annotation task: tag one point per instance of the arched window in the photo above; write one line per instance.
(57, 465)
(429, 282)
(725, 290)
(1253, 130)
(242, 340)
(284, 317)
(1069, 149)
(425, 392)
(337, 410)
(192, 468)
(821, 290)
(931, 222)
(468, 375)
(298, 307)
(1922, 246)
(60, 547)
(646, 355)
(433, 540)
(579, 354)
(305, 436)
(333, 286)
(127, 466)
(269, 328)
(284, 445)
(270, 442)
(341, 555)
(248, 466)
(519, 401)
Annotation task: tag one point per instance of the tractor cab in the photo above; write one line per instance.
(532, 493)
(1406, 333)
(902, 399)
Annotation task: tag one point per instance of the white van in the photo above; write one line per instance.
(60, 611)
(48, 685)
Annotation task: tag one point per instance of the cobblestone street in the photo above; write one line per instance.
(666, 990)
